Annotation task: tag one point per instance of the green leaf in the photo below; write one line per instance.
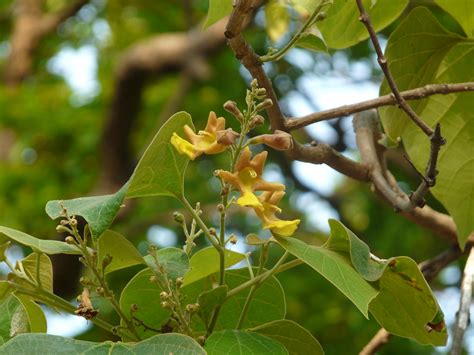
(98, 211)
(209, 300)
(341, 28)
(46, 246)
(268, 303)
(277, 19)
(217, 9)
(238, 342)
(174, 261)
(436, 56)
(123, 253)
(10, 320)
(296, 339)
(336, 267)
(462, 11)
(176, 344)
(160, 170)
(311, 41)
(5, 290)
(34, 313)
(45, 270)
(146, 295)
(206, 262)
(405, 303)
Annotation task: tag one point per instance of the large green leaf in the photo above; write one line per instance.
(145, 294)
(45, 268)
(296, 339)
(98, 211)
(123, 253)
(209, 300)
(173, 261)
(336, 267)
(342, 28)
(312, 42)
(176, 344)
(436, 56)
(404, 304)
(268, 303)
(462, 11)
(160, 170)
(277, 19)
(217, 9)
(206, 262)
(46, 246)
(19, 314)
(238, 342)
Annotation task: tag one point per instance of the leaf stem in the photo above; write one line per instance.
(317, 15)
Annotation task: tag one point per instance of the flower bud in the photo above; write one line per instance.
(192, 308)
(212, 231)
(165, 304)
(233, 239)
(227, 136)
(264, 105)
(133, 307)
(231, 107)
(164, 295)
(73, 222)
(180, 280)
(257, 121)
(220, 207)
(70, 240)
(106, 261)
(85, 281)
(178, 217)
(62, 229)
(100, 291)
(279, 140)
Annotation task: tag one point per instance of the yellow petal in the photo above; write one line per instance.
(184, 147)
(283, 228)
(248, 199)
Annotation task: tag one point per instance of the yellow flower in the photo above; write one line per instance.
(266, 212)
(247, 177)
(204, 141)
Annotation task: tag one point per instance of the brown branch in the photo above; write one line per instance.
(31, 25)
(381, 338)
(463, 317)
(386, 100)
(365, 19)
(368, 134)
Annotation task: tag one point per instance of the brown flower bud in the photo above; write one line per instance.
(264, 104)
(180, 280)
(178, 217)
(257, 121)
(279, 140)
(227, 136)
(164, 295)
(231, 107)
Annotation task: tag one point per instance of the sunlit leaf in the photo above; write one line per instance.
(123, 253)
(341, 28)
(46, 246)
(238, 342)
(161, 168)
(312, 42)
(218, 9)
(420, 52)
(98, 211)
(205, 262)
(296, 339)
(177, 344)
(277, 19)
(462, 11)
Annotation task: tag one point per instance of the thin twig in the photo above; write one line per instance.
(386, 100)
(463, 318)
(381, 338)
(365, 19)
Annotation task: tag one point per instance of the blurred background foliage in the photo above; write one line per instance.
(51, 129)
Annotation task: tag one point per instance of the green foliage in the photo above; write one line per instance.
(45, 246)
(159, 344)
(205, 262)
(277, 19)
(217, 10)
(98, 211)
(160, 170)
(209, 300)
(123, 253)
(237, 342)
(38, 267)
(462, 11)
(342, 28)
(421, 51)
(174, 261)
(292, 336)
(312, 42)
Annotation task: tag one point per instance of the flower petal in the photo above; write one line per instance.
(184, 147)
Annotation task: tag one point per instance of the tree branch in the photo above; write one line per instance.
(386, 100)
(463, 318)
(365, 19)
